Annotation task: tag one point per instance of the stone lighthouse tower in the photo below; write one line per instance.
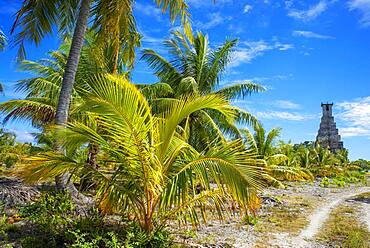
(328, 133)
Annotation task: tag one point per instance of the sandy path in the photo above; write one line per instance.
(306, 237)
(366, 210)
(318, 218)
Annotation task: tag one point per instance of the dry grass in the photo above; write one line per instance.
(344, 230)
(288, 217)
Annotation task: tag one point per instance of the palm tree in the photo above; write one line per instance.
(42, 91)
(3, 43)
(280, 163)
(323, 161)
(304, 157)
(196, 68)
(37, 18)
(263, 143)
(151, 171)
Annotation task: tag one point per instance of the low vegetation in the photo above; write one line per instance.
(288, 215)
(52, 222)
(343, 229)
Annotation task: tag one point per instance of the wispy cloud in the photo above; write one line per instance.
(363, 6)
(283, 115)
(150, 39)
(249, 50)
(354, 131)
(259, 80)
(355, 116)
(23, 135)
(214, 19)
(310, 34)
(285, 104)
(148, 10)
(247, 8)
(271, 78)
(205, 3)
(309, 14)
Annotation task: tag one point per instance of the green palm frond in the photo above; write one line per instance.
(147, 158)
(276, 159)
(157, 90)
(195, 68)
(245, 118)
(270, 138)
(219, 59)
(40, 111)
(163, 69)
(290, 173)
(37, 19)
(249, 139)
(241, 90)
(3, 40)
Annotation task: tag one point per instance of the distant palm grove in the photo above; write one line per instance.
(150, 155)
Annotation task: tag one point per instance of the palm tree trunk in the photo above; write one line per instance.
(72, 64)
(62, 182)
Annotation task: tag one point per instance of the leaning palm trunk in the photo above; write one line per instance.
(62, 182)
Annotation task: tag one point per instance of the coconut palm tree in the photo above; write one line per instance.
(324, 162)
(113, 19)
(279, 165)
(41, 100)
(151, 171)
(3, 43)
(42, 91)
(196, 68)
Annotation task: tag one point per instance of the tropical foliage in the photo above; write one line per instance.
(152, 171)
(197, 69)
(278, 163)
(12, 152)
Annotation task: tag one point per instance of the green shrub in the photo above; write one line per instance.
(56, 225)
(51, 213)
(82, 240)
(325, 182)
(250, 220)
(339, 181)
(356, 238)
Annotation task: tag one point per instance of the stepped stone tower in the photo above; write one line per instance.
(328, 133)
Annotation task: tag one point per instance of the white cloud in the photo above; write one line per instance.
(283, 115)
(214, 19)
(283, 47)
(249, 50)
(206, 3)
(362, 6)
(354, 131)
(271, 78)
(151, 39)
(259, 80)
(148, 10)
(22, 135)
(309, 34)
(285, 104)
(355, 116)
(247, 8)
(311, 13)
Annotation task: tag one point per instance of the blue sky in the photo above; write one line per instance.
(304, 52)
